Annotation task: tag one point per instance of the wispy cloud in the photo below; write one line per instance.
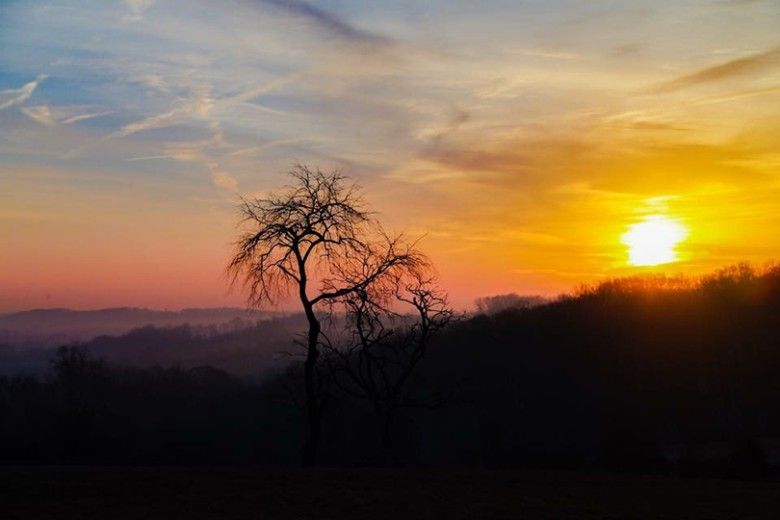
(149, 123)
(259, 90)
(225, 181)
(327, 21)
(735, 68)
(149, 158)
(13, 97)
(199, 105)
(40, 113)
(48, 116)
(766, 91)
(83, 117)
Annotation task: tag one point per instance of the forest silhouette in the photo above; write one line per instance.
(671, 375)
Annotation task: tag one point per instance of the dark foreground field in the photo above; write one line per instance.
(140, 493)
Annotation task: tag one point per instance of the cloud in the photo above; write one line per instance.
(198, 106)
(149, 123)
(83, 117)
(13, 97)
(626, 155)
(136, 10)
(225, 181)
(459, 118)
(249, 94)
(767, 91)
(159, 121)
(731, 69)
(327, 22)
(47, 116)
(149, 158)
(41, 114)
(172, 117)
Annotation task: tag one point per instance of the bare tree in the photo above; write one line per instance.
(389, 328)
(315, 238)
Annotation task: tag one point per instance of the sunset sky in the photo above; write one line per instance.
(523, 139)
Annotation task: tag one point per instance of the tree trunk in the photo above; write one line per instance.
(313, 407)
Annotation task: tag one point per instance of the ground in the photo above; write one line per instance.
(187, 493)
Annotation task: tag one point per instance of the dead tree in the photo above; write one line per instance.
(389, 328)
(316, 239)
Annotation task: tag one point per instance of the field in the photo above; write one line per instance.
(194, 493)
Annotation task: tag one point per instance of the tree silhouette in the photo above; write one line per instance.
(314, 237)
(389, 328)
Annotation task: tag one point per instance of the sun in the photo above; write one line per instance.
(653, 241)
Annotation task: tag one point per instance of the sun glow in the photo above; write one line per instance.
(654, 240)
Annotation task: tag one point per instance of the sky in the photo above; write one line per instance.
(522, 140)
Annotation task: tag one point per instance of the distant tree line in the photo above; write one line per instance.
(240, 347)
(644, 374)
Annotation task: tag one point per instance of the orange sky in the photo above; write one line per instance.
(522, 140)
